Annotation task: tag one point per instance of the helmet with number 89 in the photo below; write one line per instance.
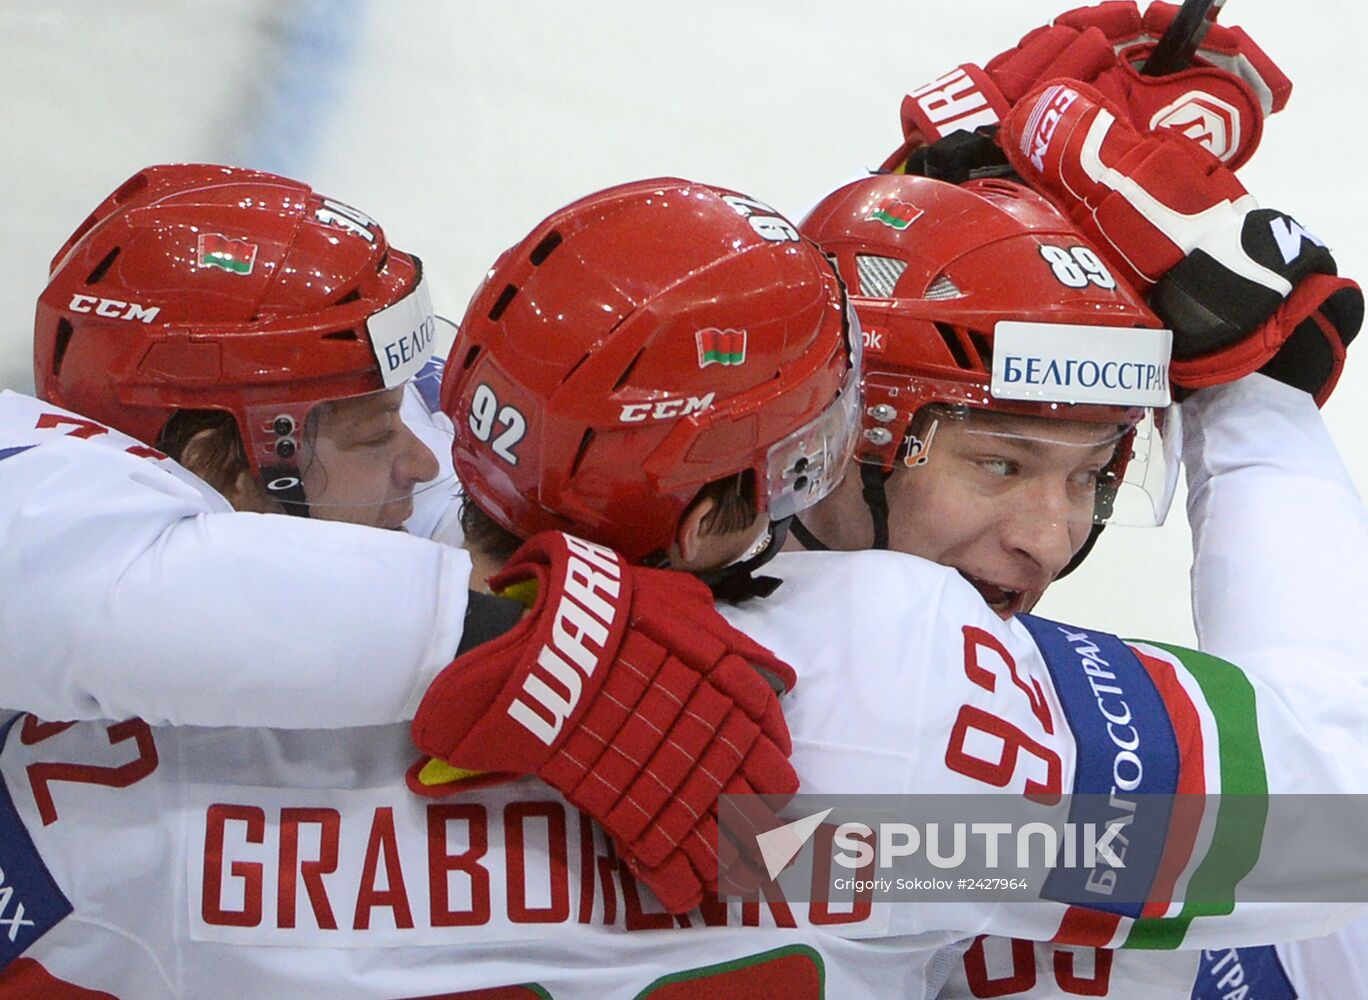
(196, 287)
(640, 344)
(983, 296)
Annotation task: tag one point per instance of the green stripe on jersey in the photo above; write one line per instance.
(1243, 810)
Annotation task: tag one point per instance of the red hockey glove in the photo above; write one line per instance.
(1243, 288)
(1220, 101)
(629, 694)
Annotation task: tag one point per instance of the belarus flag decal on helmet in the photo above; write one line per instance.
(895, 214)
(722, 347)
(217, 250)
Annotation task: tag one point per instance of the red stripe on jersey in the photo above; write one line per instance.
(1081, 925)
(26, 979)
(1189, 802)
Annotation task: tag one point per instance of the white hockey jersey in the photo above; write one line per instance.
(1256, 583)
(1332, 966)
(294, 862)
(129, 587)
(273, 864)
(1326, 967)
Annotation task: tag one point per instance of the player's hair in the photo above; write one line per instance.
(735, 509)
(482, 532)
(735, 504)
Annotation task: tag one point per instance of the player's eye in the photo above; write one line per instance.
(378, 440)
(382, 434)
(998, 467)
(1086, 478)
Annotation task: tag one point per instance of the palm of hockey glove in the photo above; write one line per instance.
(1220, 101)
(626, 692)
(1244, 289)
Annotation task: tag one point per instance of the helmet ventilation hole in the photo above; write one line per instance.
(955, 346)
(129, 188)
(999, 188)
(985, 349)
(941, 289)
(878, 275)
(626, 372)
(509, 293)
(583, 450)
(353, 296)
(64, 331)
(102, 268)
(341, 335)
(543, 249)
(470, 357)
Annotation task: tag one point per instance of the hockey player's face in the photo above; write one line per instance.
(363, 462)
(1005, 500)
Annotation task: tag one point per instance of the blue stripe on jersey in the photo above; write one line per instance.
(1127, 768)
(11, 452)
(31, 904)
(428, 382)
(1248, 973)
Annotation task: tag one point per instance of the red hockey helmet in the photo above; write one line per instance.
(984, 296)
(641, 343)
(200, 287)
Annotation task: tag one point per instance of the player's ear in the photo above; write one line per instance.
(203, 455)
(688, 540)
(215, 461)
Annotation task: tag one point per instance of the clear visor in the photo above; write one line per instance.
(1076, 471)
(808, 464)
(361, 458)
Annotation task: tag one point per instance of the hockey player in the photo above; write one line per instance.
(249, 840)
(265, 336)
(1318, 326)
(1219, 101)
(273, 357)
(1138, 196)
(1007, 535)
(943, 341)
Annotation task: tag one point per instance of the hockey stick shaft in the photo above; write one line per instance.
(1175, 48)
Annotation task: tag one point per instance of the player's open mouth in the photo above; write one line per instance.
(1004, 601)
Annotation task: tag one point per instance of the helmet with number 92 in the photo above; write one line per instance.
(641, 344)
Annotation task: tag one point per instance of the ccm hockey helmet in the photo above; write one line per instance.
(201, 287)
(640, 344)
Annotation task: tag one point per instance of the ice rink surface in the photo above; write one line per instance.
(459, 123)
